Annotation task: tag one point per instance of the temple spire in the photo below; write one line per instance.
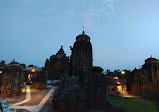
(83, 30)
(151, 56)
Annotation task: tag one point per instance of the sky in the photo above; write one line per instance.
(123, 32)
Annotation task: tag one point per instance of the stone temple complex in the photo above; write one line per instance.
(83, 87)
(79, 62)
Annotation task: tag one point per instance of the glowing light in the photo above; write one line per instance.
(28, 90)
(29, 77)
(122, 72)
(115, 77)
(0, 71)
(33, 70)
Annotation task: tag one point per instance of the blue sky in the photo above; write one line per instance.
(123, 32)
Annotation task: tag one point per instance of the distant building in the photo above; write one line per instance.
(12, 80)
(145, 78)
(2, 71)
(136, 87)
(111, 86)
(151, 72)
(57, 65)
(36, 76)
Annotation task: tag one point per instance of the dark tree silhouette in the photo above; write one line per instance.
(30, 65)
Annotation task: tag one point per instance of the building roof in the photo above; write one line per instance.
(83, 36)
(16, 65)
(33, 68)
(154, 60)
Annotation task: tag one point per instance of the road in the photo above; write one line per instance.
(123, 92)
(27, 97)
(36, 108)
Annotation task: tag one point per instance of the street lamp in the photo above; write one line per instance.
(0, 72)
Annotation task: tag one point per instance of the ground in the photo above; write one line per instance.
(36, 96)
(33, 100)
(41, 101)
(15, 99)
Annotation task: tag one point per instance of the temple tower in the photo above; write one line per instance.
(151, 69)
(81, 58)
(57, 65)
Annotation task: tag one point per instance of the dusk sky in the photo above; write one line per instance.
(123, 32)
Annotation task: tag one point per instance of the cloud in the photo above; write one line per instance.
(54, 13)
(98, 9)
(106, 6)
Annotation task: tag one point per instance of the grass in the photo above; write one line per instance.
(133, 105)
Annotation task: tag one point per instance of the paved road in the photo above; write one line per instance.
(48, 106)
(27, 97)
(36, 108)
(123, 91)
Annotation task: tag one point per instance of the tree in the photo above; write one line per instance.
(2, 62)
(23, 65)
(30, 65)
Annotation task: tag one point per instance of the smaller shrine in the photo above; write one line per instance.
(78, 94)
(36, 76)
(57, 65)
(69, 97)
(12, 80)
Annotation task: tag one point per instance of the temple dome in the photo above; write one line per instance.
(83, 36)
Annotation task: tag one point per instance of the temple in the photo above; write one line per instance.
(83, 88)
(145, 78)
(57, 65)
(81, 57)
(79, 62)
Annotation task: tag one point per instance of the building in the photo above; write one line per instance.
(57, 65)
(81, 60)
(36, 76)
(69, 97)
(111, 86)
(12, 80)
(136, 83)
(84, 88)
(146, 78)
(2, 71)
(151, 72)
